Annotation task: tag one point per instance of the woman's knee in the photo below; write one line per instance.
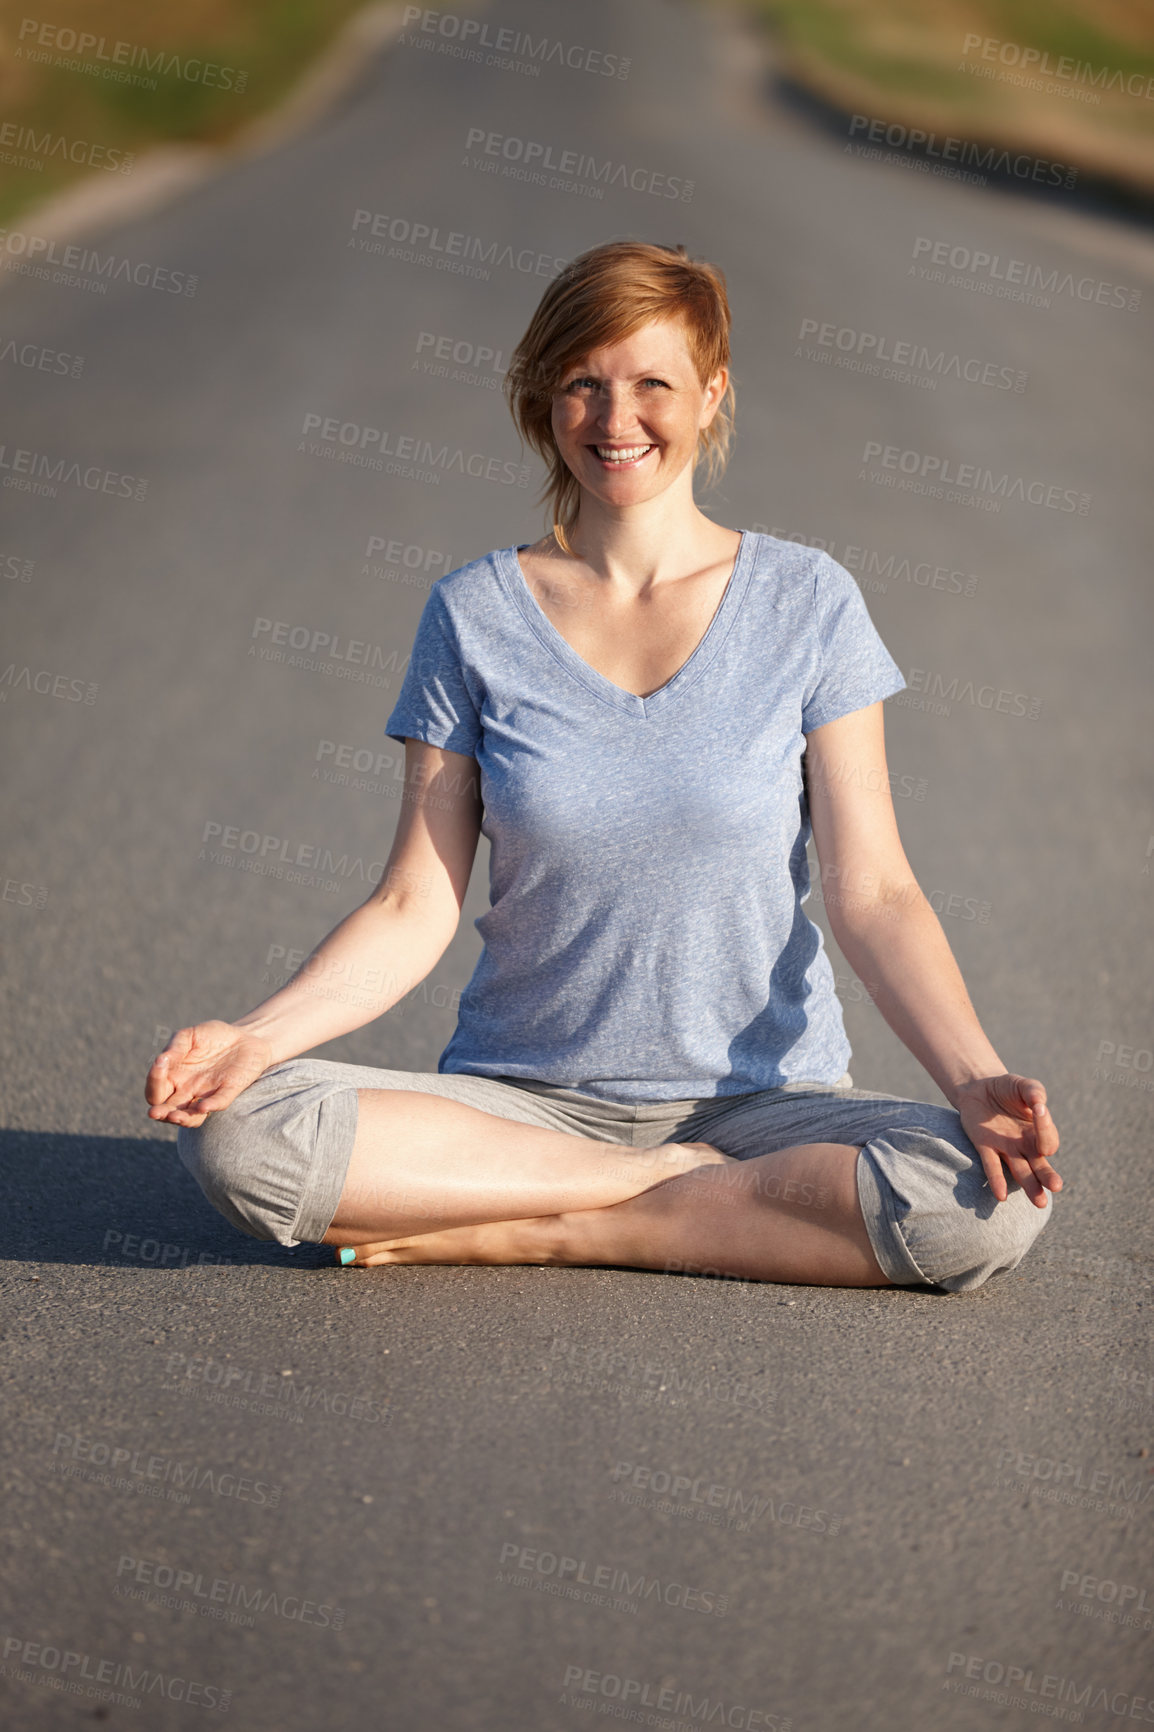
(218, 1154)
(237, 1157)
(947, 1223)
(999, 1241)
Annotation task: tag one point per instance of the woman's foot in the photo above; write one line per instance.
(535, 1240)
(527, 1241)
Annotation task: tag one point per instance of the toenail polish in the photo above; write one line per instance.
(347, 1254)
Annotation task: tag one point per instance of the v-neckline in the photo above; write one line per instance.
(517, 585)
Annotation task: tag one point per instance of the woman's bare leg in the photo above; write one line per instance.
(793, 1216)
(421, 1162)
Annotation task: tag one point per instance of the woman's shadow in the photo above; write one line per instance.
(119, 1202)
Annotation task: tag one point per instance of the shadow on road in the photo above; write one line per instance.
(1092, 194)
(119, 1202)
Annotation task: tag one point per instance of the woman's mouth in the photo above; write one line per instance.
(621, 456)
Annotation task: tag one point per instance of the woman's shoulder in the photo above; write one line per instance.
(773, 553)
(471, 601)
(793, 572)
(471, 579)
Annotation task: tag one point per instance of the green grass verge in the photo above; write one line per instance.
(911, 51)
(52, 113)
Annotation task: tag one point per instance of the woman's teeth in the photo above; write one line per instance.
(627, 454)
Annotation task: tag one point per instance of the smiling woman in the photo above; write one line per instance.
(624, 709)
(555, 394)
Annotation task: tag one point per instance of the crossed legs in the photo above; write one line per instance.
(432, 1180)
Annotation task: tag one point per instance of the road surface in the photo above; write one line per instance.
(524, 1498)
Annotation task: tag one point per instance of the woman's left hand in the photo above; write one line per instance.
(1007, 1120)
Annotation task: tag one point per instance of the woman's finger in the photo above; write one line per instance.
(1039, 1134)
(996, 1162)
(1022, 1172)
(170, 1080)
(1006, 1141)
(204, 1094)
(182, 1096)
(1030, 1103)
(179, 1116)
(995, 1174)
(187, 1092)
(1047, 1175)
(158, 1087)
(1045, 1132)
(1035, 1177)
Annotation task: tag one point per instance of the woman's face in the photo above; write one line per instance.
(639, 398)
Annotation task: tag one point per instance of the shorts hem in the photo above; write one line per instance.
(881, 1222)
(337, 1116)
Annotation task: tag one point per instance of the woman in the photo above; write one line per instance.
(649, 1067)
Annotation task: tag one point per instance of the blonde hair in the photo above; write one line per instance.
(600, 297)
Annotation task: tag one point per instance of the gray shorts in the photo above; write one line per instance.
(274, 1162)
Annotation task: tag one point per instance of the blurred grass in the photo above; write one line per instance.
(897, 60)
(272, 41)
(902, 60)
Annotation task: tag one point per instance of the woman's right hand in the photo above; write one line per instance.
(205, 1068)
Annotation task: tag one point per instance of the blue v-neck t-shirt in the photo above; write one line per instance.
(646, 939)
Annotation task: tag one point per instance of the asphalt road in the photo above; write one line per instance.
(343, 1497)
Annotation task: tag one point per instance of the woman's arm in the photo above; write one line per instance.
(370, 960)
(892, 938)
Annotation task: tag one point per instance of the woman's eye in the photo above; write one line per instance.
(574, 384)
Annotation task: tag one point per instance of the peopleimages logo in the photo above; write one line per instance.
(96, 1671)
(278, 851)
(1070, 1474)
(223, 1591)
(867, 351)
(286, 1390)
(1023, 1681)
(83, 267)
(453, 250)
(939, 473)
(1015, 279)
(351, 442)
(403, 562)
(39, 472)
(950, 689)
(108, 56)
(614, 1578)
(1091, 1587)
(666, 1699)
(508, 49)
(47, 684)
(987, 158)
(537, 159)
(357, 651)
(42, 145)
(170, 1470)
(1039, 60)
(874, 570)
(706, 1501)
(40, 359)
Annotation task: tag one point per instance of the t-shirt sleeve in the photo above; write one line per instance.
(855, 668)
(434, 703)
